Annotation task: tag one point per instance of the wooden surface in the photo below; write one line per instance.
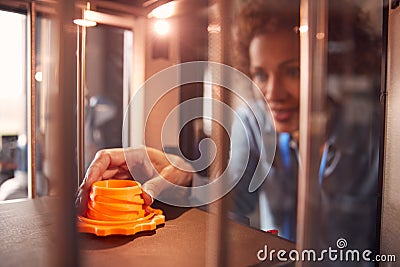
(27, 239)
(25, 232)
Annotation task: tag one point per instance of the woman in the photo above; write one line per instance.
(268, 50)
(268, 46)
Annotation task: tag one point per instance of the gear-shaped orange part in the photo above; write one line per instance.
(116, 207)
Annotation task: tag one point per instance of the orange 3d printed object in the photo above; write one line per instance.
(116, 207)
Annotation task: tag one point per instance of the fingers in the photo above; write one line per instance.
(96, 169)
(148, 199)
(111, 164)
(106, 164)
(170, 167)
(81, 201)
(176, 176)
(152, 188)
(164, 170)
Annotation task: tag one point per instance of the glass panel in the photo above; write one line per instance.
(348, 172)
(46, 87)
(346, 164)
(107, 83)
(332, 79)
(347, 72)
(13, 122)
(267, 49)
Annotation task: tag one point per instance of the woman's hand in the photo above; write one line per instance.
(144, 162)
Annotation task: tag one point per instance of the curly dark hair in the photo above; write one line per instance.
(349, 32)
(257, 17)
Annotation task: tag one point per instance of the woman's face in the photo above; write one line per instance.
(275, 68)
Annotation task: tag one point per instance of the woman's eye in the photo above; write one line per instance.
(293, 72)
(260, 76)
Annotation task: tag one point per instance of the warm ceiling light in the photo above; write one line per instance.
(163, 11)
(161, 27)
(85, 22)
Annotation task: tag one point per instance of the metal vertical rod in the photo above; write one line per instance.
(65, 143)
(136, 113)
(313, 39)
(81, 62)
(383, 115)
(31, 102)
(218, 227)
(127, 70)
